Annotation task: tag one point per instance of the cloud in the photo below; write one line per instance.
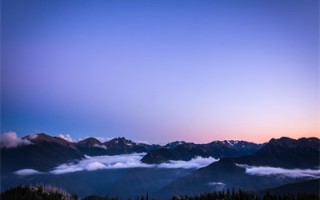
(276, 171)
(125, 161)
(100, 146)
(197, 162)
(102, 162)
(66, 137)
(32, 136)
(25, 172)
(11, 140)
(218, 186)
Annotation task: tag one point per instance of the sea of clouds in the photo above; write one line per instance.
(280, 172)
(120, 162)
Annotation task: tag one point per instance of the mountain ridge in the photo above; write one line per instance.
(45, 152)
(281, 158)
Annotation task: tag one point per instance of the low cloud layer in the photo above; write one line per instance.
(276, 171)
(126, 161)
(11, 140)
(100, 146)
(26, 172)
(197, 162)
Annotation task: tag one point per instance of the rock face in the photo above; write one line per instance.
(187, 151)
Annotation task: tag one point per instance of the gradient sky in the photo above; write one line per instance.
(161, 70)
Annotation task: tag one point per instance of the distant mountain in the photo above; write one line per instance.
(187, 151)
(287, 153)
(43, 154)
(46, 152)
(284, 152)
(122, 145)
(91, 146)
(173, 145)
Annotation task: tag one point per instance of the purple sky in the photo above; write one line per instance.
(161, 70)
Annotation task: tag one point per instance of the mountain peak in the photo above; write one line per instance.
(174, 144)
(120, 141)
(89, 142)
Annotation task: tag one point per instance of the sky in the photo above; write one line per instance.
(161, 71)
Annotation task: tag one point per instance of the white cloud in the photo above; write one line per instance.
(215, 183)
(66, 137)
(11, 140)
(32, 136)
(197, 162)
(95, 166)
(125, 161)
(276, 171)
(25, 172)
(100, 146)
(102, 162)
(218, 186)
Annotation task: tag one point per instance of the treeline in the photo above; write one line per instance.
(242, 195)
(36, 193)
(49, 193)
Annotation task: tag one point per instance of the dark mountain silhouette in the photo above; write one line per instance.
(284, 152)
(287, 153)
(187, 151)
(43, 154)
(91, 146)
(172, 145)
(122, 145)
(46, 152)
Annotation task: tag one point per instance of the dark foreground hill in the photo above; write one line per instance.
(305, 187)
(43, 193)
(36, 193)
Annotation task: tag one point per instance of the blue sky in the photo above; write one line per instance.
(161, 70)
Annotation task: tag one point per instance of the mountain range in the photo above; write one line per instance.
(280, 163)
(46, 152)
